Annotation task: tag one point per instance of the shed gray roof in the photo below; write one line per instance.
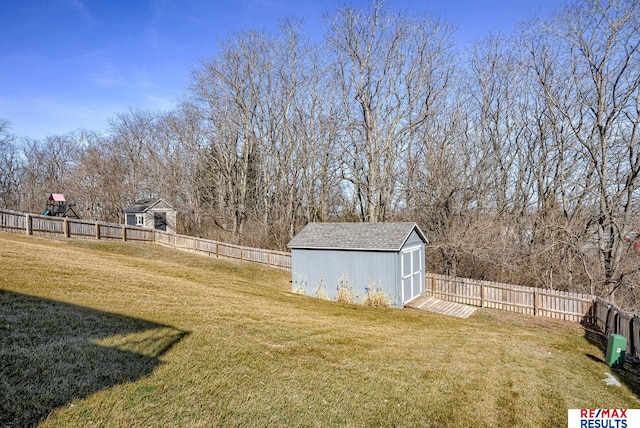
(355, 236)
(144, 205)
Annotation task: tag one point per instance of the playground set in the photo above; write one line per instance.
(57, 206)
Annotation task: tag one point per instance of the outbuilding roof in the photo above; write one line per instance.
(144, 205)
(355, 236)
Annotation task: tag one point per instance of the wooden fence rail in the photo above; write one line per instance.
(34, 224)
(221, 250)
(574, 307)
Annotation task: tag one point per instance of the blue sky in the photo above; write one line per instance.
(69, 64)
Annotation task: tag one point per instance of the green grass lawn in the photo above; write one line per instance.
(120, 334)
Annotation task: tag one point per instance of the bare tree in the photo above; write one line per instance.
(389, 67)
(49, 166)
(132, 143)
(99, 178)
(317, 127)
(597, 94)
(229, 92)
(178, 138)
(9, 168)
(498, 121)
(301, 148)
(269, 121)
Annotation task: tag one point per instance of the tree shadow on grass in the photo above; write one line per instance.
(629, 374)
(52, 353)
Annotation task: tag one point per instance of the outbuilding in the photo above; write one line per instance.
(152, 213)
(387, 257)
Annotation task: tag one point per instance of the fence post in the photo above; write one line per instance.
(433, 285)
(611, 314)
(97, 230)
(217, 251)
(624, 327)
(634, 324)
(124, 232)
(482, 294)
(535, 302)
(269, 259)
(504, 299)
(29, 225)
(630, 341)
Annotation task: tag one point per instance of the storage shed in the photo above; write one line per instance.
(386, 256)
(153, 214)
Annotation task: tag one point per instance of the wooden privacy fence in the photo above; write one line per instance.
(276, 259)
(574, 307)
(611, 320)
(34, 224)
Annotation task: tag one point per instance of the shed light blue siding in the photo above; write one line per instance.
(413, 239)
(364, 266)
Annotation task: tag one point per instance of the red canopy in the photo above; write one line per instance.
(58, 197)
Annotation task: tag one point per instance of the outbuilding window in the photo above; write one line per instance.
(139, 219)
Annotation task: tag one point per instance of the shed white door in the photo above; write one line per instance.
(412, 280)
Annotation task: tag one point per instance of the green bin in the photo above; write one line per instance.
(615, 350)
